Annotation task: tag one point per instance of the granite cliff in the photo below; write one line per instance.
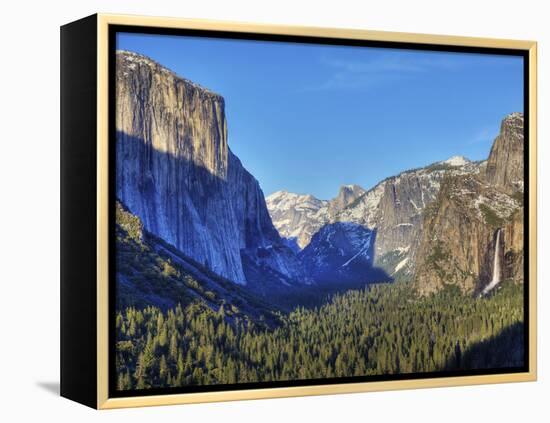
(505, 164)
(176, 173)
(467, 216)
(464, 204)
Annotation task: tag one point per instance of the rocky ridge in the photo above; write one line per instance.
(393, 207)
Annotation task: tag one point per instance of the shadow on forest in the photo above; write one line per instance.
(315, 296)
(504, 350)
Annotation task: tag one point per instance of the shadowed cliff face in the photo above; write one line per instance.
(342, 252)
(177, 174)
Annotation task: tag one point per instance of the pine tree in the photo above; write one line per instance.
(368, 332)
(163, 369)
(163, 336)
(173, 349)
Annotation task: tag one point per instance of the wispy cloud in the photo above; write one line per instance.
(349, 74)
(486, 134)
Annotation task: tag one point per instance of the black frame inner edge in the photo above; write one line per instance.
(113, 392)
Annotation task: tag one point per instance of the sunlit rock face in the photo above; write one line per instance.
(394, 207)
(505, 166)
(176, 172)
(469, 214)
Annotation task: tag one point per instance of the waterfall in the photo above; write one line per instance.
(496, 266)
(496, 262)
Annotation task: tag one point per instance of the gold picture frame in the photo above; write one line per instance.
(98, 31)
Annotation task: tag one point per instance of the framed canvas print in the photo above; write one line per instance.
(255, 211)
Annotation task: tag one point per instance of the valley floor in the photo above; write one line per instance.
(380, 330)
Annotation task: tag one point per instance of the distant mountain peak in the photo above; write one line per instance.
(346, 195)
(291, 212)
(456, 161)
(284, 195)
(351, 187)
(278, 194)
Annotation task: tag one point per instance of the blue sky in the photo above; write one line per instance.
(310, 118)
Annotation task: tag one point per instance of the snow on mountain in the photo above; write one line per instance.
(456, 161)
(393, 207)
(297, 217)
(401, 264)
(343, 252)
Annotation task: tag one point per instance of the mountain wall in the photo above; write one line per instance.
(394, 208)
(342, 252)
(469, 211)
(297, 217)
(505, 164)
(176, 172)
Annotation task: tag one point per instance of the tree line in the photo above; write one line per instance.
(382, 329)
